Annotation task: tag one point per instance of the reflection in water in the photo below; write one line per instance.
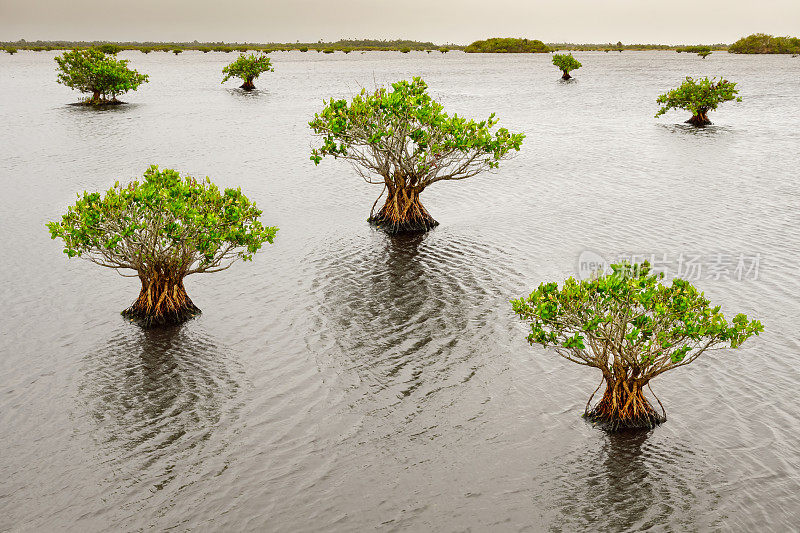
(241, 94)
(687, 129)
(397, 311)
(157, 397)
(628, 482)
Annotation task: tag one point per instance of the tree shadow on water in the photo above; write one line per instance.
(407, 315)
(156, 398)
(629, 481)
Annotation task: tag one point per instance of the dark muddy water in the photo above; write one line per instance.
(347, 381)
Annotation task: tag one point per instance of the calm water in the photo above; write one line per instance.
(347, 381)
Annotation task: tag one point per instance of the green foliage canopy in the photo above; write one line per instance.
(165, 222)
(247, 67)
(698, 96)
(566, 63)
(629, 323)
(403, 131)
(92, 71)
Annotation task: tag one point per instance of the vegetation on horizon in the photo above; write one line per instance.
(761, 43)
(699, 97)
(499, 45)
(402, 139)
(162, 229)
(92, 71)
(247, 68)
(566, 63)
(632, 328)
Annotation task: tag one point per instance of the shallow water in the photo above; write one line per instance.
(347, 381)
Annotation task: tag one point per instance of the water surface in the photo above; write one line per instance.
(349, 381)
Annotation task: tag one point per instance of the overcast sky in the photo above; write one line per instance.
(440, 21)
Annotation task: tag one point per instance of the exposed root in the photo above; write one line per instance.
(699, 120)
(566, 76)
(248, 85)
(403, 213)
(624, 406)
(161, 302)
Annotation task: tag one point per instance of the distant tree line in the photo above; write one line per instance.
(343, 45)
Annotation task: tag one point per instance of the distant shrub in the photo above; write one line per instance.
(108, 48)
(328, 51)
(405, 50)
(499, 45)
(177, 51)
(761, 43)
(444, 50)
(204, 49)
(145, 50)
(11, 50)
(304, 49)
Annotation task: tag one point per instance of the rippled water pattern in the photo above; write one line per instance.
(346, 381)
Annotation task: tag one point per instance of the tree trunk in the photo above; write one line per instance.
(566, 75)
(700, 119)
(403, 212)
(624, 406)
(248, 85)
(95, 96)
(162, 302)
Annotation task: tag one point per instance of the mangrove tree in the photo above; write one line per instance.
(566, 63)
(247, 68)
(402, 139)
(93, 71)
(631, 327)
(698, 96)
(162, 229)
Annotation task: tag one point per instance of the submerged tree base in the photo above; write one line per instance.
(393, 227)
(99, 102)
(161, 303)
(566, 76)
(624, 407)
(248, 85)
(699, 120)
(403, 213)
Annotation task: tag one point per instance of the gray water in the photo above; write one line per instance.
(347, 381)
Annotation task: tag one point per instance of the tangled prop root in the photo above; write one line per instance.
(161, 302)
(624, 406)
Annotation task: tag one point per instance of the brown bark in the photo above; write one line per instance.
(566, 75)
(700, 119)
(162, 302)
(403, 212)
(624, 406)
(248, 85)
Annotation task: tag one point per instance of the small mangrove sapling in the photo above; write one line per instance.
(632, 328)
(162, 229)
(402, 139)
